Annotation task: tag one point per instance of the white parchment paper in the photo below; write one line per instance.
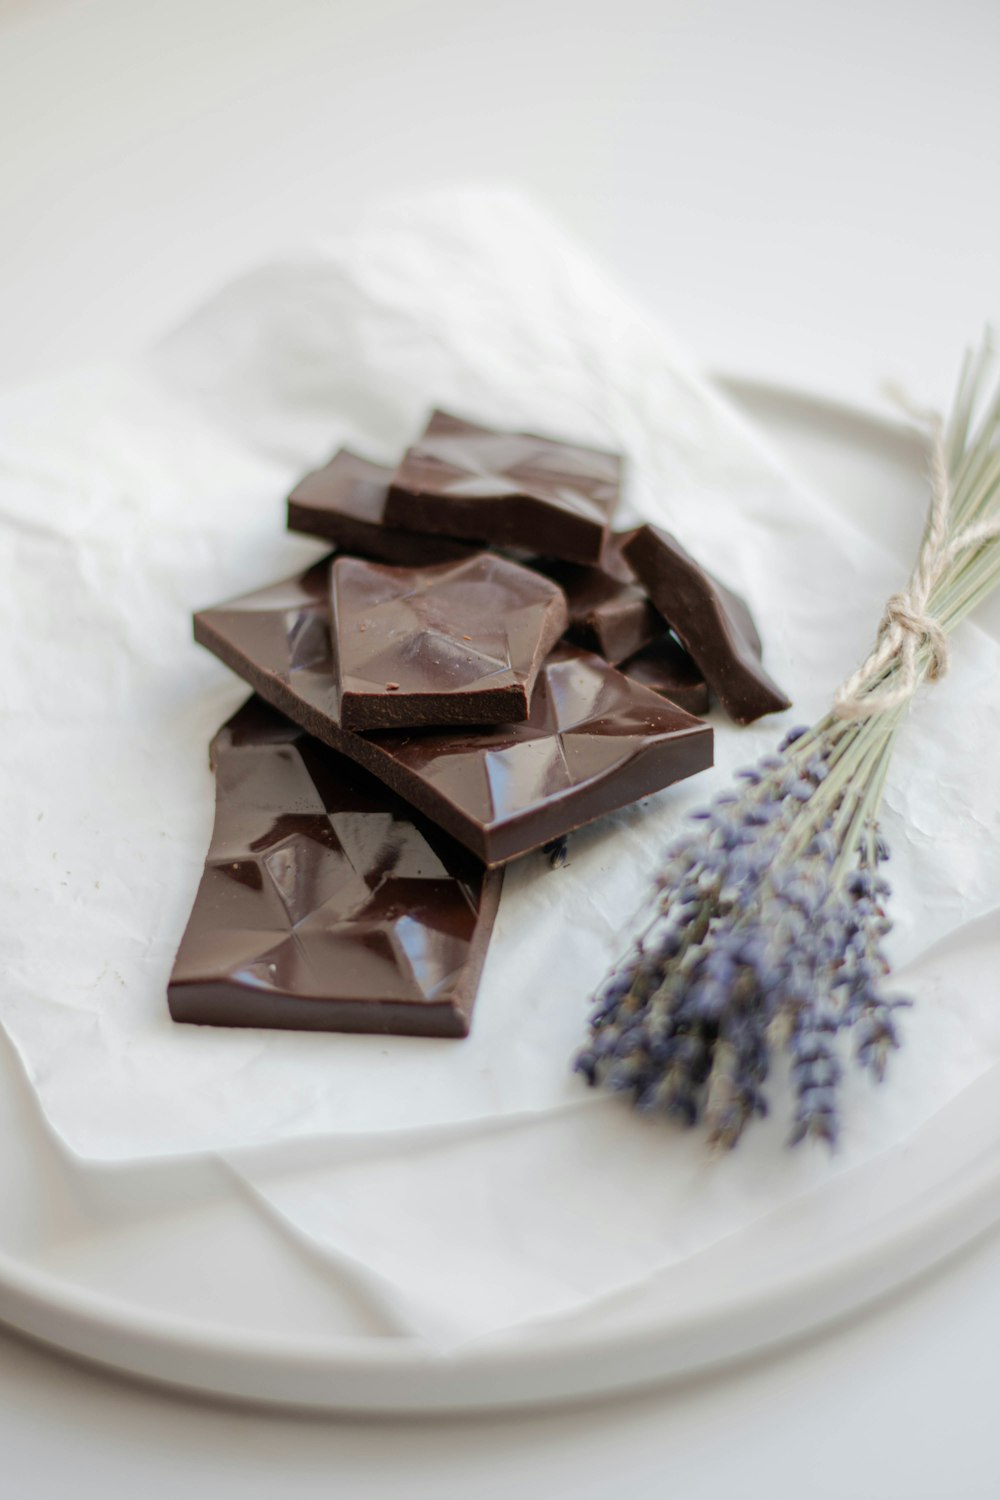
(479, 1181)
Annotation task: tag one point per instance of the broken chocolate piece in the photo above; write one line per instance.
(593, 742)
(327, 904)
(344, 502)
(510, 488)
(609, 612)
(712, 624)
(666, 667)
(459, 643)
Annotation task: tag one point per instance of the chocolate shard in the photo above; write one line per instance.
(712, 624)
(593, 742)
(609, 611)
(509, 488)
(326, 903)
(344, 502)
(665, 667)
(459, 643)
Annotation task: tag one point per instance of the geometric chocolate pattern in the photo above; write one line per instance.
(594, 741)
(326, 903)
(511, 488)
(460, 643)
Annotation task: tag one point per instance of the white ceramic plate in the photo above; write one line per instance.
(112, 1264)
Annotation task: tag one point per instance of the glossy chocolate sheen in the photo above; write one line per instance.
(510, 488)
(712, 624)
(594, 741)
(326, 903)
(459, 643)
(609, 611)
(666, 667)
(344, 502)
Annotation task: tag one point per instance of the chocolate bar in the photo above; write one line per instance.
(608, 611)
(509, 488)
(712, 624)
(344, 502)
(459, 643)
(593, 742)
(666, 667)
(327, 904)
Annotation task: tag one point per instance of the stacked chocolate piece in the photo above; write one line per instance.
(480, 667)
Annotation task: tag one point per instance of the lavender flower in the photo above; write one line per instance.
(766, 940)
(766, 937)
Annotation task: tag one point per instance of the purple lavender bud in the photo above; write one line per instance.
(822, 1127)
(682, 1106)
(585, 1062)
(751, 950)
(815, 1099)
(622, 1075)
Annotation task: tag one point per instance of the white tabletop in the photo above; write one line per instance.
(805, 193)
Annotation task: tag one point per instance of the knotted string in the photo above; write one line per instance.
(911, 643)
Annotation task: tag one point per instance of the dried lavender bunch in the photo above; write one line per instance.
(766, 935)
(762, 941)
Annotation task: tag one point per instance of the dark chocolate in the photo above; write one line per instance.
(344, 502)
(712, 624)
(594, 741)
(326, 903)
(459, 643)
(609, 611)
(666, 667)
(510, 488)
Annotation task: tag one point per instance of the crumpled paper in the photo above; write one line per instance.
(480, 1184)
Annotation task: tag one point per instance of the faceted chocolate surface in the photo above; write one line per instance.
(459, 643)
(593, 742)
(609, 612)
(510, 488)
(666, 667)
(326, 903)
(713, 624)
(344, 502)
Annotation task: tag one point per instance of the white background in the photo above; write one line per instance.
(805, 192)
